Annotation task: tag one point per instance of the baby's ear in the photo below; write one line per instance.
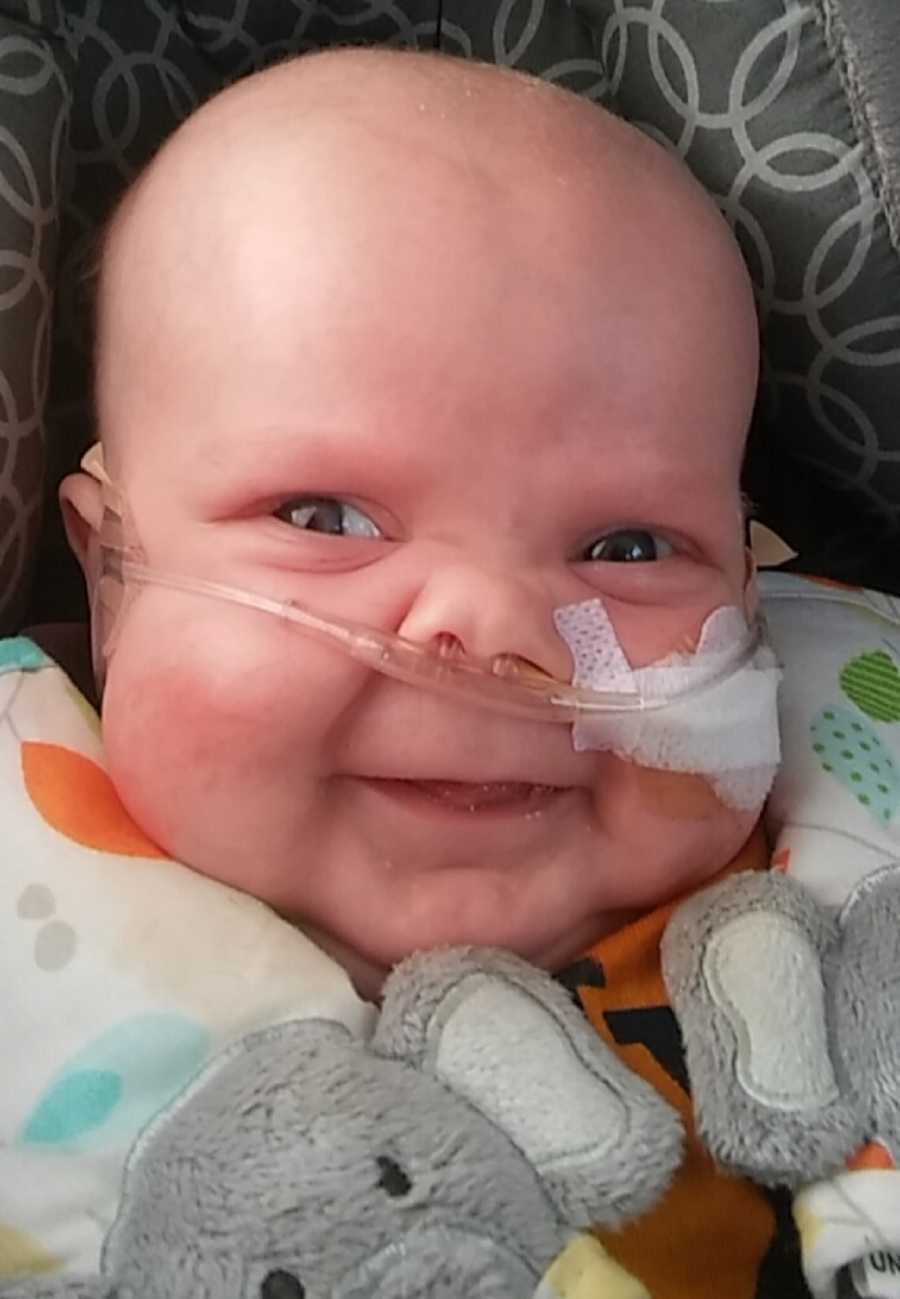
(81, 500)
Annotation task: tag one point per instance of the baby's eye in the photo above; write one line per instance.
(326, 514)
(628, 546)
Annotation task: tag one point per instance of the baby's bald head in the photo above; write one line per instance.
(341, 161)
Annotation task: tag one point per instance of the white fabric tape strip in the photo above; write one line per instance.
(728, 733)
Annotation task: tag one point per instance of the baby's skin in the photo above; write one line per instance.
(438, 348)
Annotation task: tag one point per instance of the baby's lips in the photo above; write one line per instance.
(475, 795)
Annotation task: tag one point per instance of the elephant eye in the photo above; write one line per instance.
(281, 1285)
(392, 1178)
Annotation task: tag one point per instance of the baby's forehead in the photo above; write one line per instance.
(319, 120)
(335, 170)
(324, 148)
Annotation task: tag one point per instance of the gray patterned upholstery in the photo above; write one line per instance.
(35, 93)
(788, 110)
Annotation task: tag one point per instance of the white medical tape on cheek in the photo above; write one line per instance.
(728, 733)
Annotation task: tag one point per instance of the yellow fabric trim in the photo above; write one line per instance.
(584, 1270)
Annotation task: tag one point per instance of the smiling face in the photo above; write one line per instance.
(358, 355)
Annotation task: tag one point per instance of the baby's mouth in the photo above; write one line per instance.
(479, 796)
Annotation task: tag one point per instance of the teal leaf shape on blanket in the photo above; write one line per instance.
(80, 1100)
(110, 1089)
(19, 654)
(849, 749)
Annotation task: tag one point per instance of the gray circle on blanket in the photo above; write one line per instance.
(35, 903)
(55, 945)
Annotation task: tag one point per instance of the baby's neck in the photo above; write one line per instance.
(368, 978)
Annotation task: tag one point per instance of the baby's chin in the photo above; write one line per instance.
(365, 973)
(548, 901)
(368, 970)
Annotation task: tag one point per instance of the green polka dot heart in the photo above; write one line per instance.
(848, 749)
(872, 682)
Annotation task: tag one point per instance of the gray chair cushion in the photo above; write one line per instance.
(788, 110)
(138, 74)
(35, 93)
(547, 37)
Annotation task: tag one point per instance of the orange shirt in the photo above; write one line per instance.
(712, 1236)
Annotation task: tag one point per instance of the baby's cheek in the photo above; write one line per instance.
(171, 738)
(677, 795)
(687, 808)
(671, 826)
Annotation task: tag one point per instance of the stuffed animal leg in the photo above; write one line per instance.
(747, 964)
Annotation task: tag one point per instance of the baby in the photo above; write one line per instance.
(441, 350)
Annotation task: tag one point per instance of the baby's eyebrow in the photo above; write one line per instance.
(275, 458)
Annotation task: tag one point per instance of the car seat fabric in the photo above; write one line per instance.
(788, 110)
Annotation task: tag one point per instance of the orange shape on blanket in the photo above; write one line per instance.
(781, 860)
(872, 1155)
(77, 798)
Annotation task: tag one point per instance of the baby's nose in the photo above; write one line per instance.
(488, 613)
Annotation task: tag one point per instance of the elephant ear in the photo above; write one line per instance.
(506, 1037)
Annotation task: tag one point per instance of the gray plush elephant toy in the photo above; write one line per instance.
(461, 1151)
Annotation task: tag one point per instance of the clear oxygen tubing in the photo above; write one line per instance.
(505, 683)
